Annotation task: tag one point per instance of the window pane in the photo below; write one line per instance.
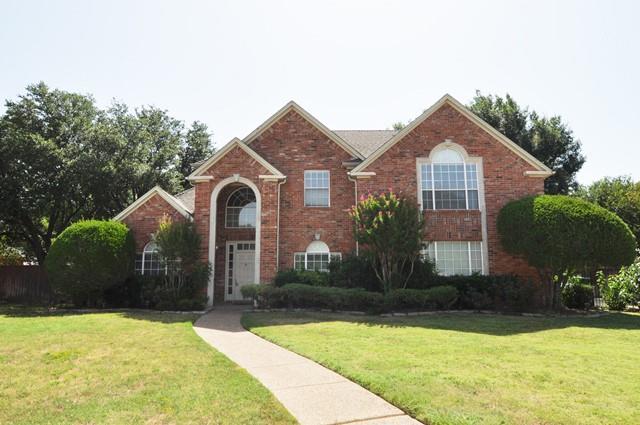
(318, 262)
(473, 199)
(298, 261)
(472, 176)
(316, 197)
(448, 176)
(427, 200)
(450, 200)
(476, 256)
(241, 209)
(453, 258)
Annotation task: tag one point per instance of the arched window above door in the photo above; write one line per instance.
(241, 209)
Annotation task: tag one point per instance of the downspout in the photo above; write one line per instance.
(280, 183)
(355, 185)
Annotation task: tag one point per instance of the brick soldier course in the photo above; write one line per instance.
(272, 161)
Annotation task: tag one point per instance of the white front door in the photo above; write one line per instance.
(240, 268)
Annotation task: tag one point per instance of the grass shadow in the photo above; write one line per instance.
(488, 324)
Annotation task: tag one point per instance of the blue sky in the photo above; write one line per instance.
(352, 64)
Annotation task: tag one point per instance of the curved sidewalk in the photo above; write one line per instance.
(312, 393)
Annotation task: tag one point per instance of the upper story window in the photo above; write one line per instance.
(316, 188)
(449, 183)
(241, 209)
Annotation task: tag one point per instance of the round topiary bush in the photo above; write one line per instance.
(89, 257)
(558, 234)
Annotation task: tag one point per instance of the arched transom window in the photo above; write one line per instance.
(150, 262)
(241, 209)
(317, 257)
(449, 182)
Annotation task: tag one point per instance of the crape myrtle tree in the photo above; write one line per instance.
(62, 159)
(560, 235)
(390, 230)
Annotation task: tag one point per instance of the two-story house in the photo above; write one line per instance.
(280, 197)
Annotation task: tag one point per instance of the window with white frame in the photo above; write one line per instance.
(316, 188)
(241, 209)
(149, 262)
(449, 183)
(455, 257)
(317, 257)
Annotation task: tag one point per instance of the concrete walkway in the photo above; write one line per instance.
(312, 393)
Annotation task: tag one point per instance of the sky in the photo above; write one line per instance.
(351, 64)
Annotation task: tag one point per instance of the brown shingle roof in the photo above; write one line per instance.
(188, 198)
(365, 141)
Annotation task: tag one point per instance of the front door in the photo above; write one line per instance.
(240, 268)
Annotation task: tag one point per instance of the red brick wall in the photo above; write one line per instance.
(504, 180)
(293, 145)
(144, 221)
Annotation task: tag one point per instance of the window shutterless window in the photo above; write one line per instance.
(455, 257)
(448, 183)
(150, 263)
(316, 188)
(241, 209)
(317, 257)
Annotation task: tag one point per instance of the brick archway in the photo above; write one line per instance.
(212, 227)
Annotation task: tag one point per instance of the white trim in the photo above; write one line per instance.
(293, 106)
(225, 150)
(212, 228)
(304, 189)
(157, 190)
(447, 99)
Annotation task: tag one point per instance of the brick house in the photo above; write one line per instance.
(279, 198)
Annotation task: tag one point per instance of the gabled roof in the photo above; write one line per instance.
(293, 106)
(366, 141)
(188, 198)
(177, 204)
(541, 170)
(235, 142)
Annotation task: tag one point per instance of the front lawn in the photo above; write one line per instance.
(121, 368)
(478, 369)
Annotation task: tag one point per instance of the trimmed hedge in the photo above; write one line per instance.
(88, 258)
(301, 276)
(296, 295)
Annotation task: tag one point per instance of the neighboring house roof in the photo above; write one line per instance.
(171, 200)
(292, 106)
(541, 170)
(188, 198)
(235, 142)
(366, 141)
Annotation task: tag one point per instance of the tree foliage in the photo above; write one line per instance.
(89, 257)
(179, 244)
(561, 234)
(390, 228)
(9, 255)
(550, 140)
(62, 159)
(620, 195)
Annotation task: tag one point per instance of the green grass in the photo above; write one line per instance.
(121, 368)
(478, 369)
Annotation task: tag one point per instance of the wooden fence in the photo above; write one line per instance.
(24, 284)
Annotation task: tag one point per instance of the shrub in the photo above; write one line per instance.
(576, 294)
(89, 257)
(306, 277)
(353, 271)
(439, 297)
(182, 287)
(557, 234)
(621, 289)
(491, 292)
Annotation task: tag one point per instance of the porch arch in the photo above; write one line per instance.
(213, 208)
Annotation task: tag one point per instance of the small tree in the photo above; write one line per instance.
(179, 246)
(10, 256)
(89, 257)
(391, 229)
(559, 235)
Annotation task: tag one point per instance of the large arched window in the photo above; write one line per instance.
(150, 262)
(449, 182)
(317, 257)
(241, 209)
